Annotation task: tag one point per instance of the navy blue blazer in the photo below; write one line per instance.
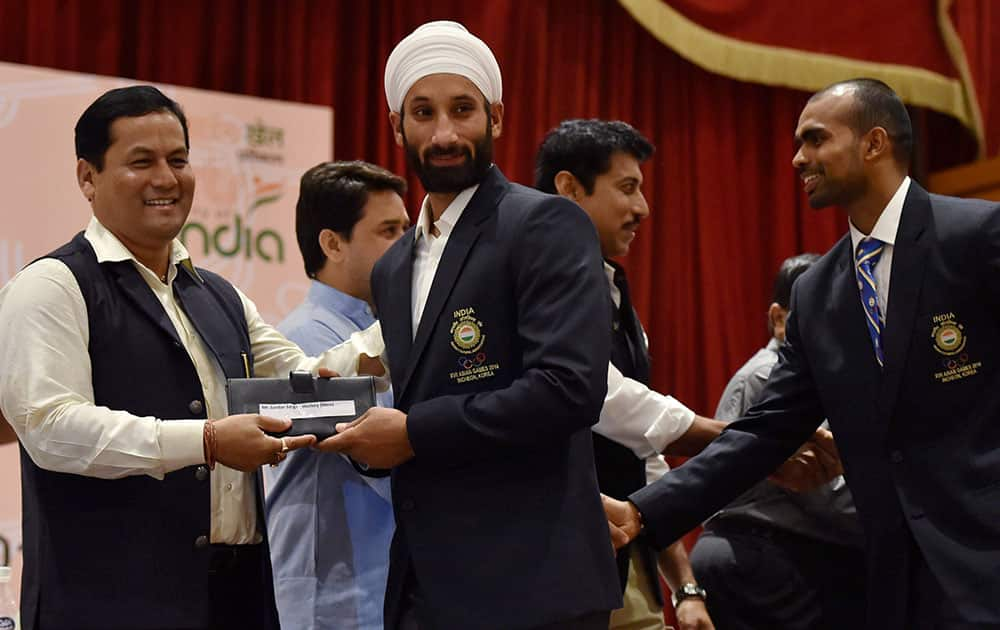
(498, 514)
(920, 439)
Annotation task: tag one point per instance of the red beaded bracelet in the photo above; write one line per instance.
(210, 444)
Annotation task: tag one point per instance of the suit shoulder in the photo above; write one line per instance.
(522, 203)
(961, 212)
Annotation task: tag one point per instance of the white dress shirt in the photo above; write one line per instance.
(884, 230)
(635, 416)
(46, 389)
(428, 247)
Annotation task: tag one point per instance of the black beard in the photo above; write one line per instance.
(453, 179)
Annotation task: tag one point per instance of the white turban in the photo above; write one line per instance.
(441, 47)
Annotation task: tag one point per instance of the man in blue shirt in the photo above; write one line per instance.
(330, 528)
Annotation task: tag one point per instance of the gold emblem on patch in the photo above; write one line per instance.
(948, 335)
(467, 334)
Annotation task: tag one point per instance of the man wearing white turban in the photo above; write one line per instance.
(495, 315)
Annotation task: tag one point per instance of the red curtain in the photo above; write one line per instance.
(977, 23)
(726, 206)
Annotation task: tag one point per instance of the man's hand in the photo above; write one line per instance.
(240, 441)
(815, 463)
(624, 521)
(692, 614)
(378, 439)
(370, 366)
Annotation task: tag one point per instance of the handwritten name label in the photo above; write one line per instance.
(318, 409)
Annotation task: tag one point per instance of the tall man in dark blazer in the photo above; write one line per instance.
(494, 310)
(892, 336)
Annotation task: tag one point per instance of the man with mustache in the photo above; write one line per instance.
(494, 312)
(596, 163)
(892, 336)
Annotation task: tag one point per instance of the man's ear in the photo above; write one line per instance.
(776, 316)
(396, 122)
(85, 178)
(332, 245)
(877, 143)
(496, 118)
(567, 185)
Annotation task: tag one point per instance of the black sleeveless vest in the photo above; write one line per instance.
(619, 471)
(122, 553)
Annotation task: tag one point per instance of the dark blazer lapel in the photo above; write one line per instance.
(132, 284)
(848, 322)
(463, 237)
(909, 258)
(397, 326)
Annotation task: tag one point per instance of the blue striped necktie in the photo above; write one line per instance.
(869, 251)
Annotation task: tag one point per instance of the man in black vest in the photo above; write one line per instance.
(596, 164)
(138, 512)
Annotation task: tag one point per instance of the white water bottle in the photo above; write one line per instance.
(8, 608)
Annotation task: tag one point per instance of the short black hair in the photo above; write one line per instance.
(93, 130)
(877, 105)
(790, 270)
(332, 196)
(584, 148)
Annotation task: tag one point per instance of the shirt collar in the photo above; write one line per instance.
(446, 223)
(888, 222)
(616, 293)
(358, 311)
(108, 248)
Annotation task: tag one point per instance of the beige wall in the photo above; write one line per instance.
(10, 502)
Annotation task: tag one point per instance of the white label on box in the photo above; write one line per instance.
(318, 409)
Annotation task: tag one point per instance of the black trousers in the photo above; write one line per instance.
(241, 595)
(762, 578)
(413, 601)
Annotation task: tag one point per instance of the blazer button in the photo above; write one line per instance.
(196, 406)
(201, 473)
(896, 457)
(201, 542)
(407, 505)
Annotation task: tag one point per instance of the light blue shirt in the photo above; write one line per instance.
(329, 527)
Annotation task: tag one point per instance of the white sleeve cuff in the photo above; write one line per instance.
(182, 443)
(343, 358)
(669, 426)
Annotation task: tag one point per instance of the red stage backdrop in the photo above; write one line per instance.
(726, 205)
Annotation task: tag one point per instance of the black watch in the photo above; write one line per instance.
(687, 589)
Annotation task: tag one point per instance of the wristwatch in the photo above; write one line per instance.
(687, 589)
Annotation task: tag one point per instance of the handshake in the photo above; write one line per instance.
(815, 463)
